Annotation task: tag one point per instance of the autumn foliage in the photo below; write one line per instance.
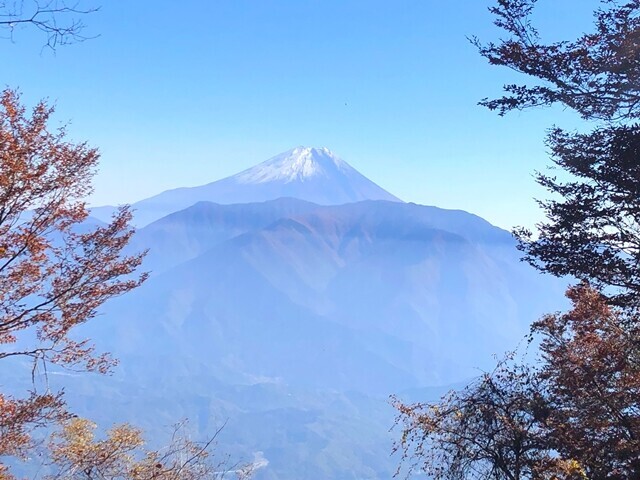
(489, 430)
(53, 274)
(590, 366)
(56, 270)
(574, 412)
(78, 454)
(574, 415)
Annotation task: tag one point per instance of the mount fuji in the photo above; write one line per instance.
(291, 299)
(313, 174)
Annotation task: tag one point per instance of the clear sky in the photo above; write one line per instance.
(184, 93)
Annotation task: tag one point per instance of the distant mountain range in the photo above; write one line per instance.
(375, 296)
(295, 304)
(312, 174)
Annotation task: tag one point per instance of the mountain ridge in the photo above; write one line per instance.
(183, 234)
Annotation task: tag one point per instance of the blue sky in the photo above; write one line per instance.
(184, 93)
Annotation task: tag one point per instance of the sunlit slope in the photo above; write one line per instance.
(373, 295)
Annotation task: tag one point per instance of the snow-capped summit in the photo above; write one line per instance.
(312, 174)
(297, 164)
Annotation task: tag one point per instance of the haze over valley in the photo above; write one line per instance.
(326, 240)
(302, 294)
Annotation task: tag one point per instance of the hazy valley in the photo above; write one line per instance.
(293, 322)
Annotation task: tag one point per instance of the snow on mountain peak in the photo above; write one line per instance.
(311, 174)
(296, 164)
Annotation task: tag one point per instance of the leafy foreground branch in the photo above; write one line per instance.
(77, 455)
(489, 430)
(597, 74)
(56, 271)
(574, 416)
(592, 230)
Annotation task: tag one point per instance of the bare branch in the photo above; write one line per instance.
(60, 21)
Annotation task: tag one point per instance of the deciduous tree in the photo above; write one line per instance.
(590, 361)
(76, 454)
(575, 415)
(56, 269)
(493, 429)
(583, 410)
